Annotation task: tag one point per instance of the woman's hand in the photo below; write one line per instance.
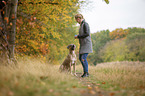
(76, 36)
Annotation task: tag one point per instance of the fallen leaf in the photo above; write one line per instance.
(123, 87)
(112, 94)
(27, 87)
(17, 84)
(90, 88)
(67, 89)
(57, 94)
(82, 91)
(6, 79)
(141, 87)
(99, 91)
(97, 88)
(51, 90)
(101, 95)
(92, 92)
(103, 83)
(97, 84)
(73, 86)
(10, 93)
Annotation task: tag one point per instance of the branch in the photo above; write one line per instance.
(20, 3)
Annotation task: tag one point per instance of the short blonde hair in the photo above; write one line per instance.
(79, 16)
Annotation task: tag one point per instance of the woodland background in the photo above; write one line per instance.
(44, 28)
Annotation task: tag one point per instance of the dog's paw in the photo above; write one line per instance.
(75, 74)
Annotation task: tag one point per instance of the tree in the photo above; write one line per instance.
(136, 46)
(47, 31)
(46, 23)
(118, 33)
(99, 40)
(115, 50)
(131, 48)
(7, 29)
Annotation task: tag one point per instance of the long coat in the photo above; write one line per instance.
(85, 38)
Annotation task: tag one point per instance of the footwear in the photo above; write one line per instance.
(86, 74)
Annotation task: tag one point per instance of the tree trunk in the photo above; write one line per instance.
(7, 30)
(13, 16)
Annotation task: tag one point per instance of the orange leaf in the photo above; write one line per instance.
(27, 87)
(92, 92)
(7, 19)
(90, 88)
(3, 12)
(112, 94)
(103, 83)
(13, 16)
(73, 86)
(1, 28)
(10, 93)
(82, 91)
(11, 23)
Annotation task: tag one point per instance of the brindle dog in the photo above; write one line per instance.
(69, 61)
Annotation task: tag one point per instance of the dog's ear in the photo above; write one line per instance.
(68, 46)
(74, 46)
(71, 45)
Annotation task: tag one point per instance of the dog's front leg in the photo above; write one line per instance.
(74, 68)
(70, 67)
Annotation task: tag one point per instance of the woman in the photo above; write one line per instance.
(85, 43)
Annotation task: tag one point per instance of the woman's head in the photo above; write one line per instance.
(79, 18)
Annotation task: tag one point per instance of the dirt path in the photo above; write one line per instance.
(92, 89)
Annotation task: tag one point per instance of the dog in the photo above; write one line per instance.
(69, 61)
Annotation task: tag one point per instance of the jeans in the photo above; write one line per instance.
(83, 59)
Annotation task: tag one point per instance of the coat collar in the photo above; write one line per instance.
(82, 22)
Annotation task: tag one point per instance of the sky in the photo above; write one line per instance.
(116, 14)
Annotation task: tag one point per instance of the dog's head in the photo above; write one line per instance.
(71, 47)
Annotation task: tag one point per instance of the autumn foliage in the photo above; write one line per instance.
(119, 45)
(118, 33)
(45, 28)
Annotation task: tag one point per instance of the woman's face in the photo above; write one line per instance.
(78, 20)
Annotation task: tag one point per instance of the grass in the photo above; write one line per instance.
(126, 78)
(32, 77)
(35, 78)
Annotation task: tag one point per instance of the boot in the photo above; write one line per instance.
(86, 74)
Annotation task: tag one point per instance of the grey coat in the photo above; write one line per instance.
(85, 38)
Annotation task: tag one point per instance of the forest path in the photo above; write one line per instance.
(92, 89)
